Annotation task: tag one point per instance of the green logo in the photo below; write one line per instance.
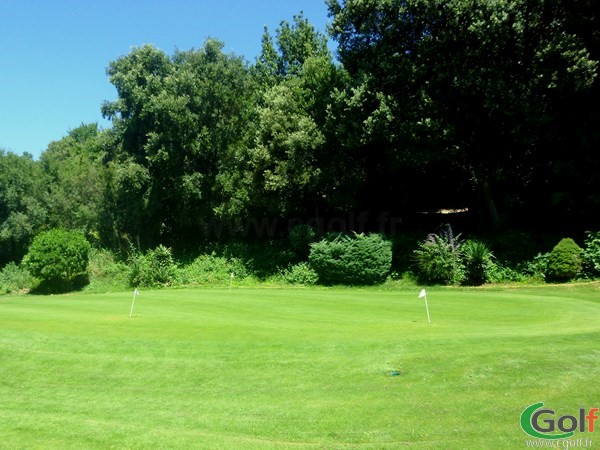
(547, 427)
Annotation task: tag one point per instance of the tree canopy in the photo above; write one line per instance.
(488, 105)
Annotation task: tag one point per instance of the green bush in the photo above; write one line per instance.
(355, 260)
(505, 274)
(591, 254)
(565, 261)
(211, 269)
(535, 268)
(14, 278)
(438, 259)
(300, 273)
(59, 258)
(261, 258)
(155, 268)
(106, 272)
(478, 262)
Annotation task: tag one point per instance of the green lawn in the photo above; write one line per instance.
(294, 368)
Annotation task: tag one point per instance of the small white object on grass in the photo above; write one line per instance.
(230, 281)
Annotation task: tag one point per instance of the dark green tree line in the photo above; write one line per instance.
(492, 90)
(430, 104)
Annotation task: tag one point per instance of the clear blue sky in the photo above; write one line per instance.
(54, 54)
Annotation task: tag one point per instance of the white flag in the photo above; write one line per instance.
(422, 294)
(136, 292)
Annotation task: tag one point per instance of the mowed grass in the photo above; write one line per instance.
(293, 368)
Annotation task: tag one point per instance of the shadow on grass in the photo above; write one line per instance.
(61, 286)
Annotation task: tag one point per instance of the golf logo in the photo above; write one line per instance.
(543, 423)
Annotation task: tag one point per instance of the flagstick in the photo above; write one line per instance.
(422, 294)
(230, 281)
(135, 292)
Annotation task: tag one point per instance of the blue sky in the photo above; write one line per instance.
(54, 54)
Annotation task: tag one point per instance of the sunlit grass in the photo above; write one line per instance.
(293, 368)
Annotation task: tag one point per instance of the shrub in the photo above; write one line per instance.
(565, 261)
(478, 261)
(14, 278)
(504, 274)
(591, 254)
(438, 259)
(155, 268)
(536, 268)
(106, 271)
(262, 258)
(211, 269)
(300, 273)
(59, 258)
(356, 260)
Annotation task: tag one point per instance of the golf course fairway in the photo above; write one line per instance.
(326, 368)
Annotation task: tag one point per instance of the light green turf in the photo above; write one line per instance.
(294, 368)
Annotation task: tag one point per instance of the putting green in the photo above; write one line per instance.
(294, 368)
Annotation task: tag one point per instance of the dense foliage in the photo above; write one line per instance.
(156, 267)
(565, 261)
(477, 100)
(356, 260)
(438, 258)
(14, 279)
(58, 257)
(478, 261)
(591, 254)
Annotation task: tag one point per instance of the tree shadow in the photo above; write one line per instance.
(61, 286)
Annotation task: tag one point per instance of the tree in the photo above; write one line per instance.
(76, 179)
(23, 204)
(285, 56)
(180, 119)
(124, 217)
(283, 159)
(294, 162)
(474, 85)
(58, 257)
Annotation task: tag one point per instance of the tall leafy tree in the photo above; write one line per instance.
(290, 157)
(179, 119)
(285, 54)
(76, 179)
(23, 204)
(283, 158)
(473, 85)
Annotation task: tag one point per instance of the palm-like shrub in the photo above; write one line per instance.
(479, 262)
(155, 268)
(438, 259)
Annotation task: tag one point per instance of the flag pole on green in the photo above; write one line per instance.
(423, 294)
(135, 294)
